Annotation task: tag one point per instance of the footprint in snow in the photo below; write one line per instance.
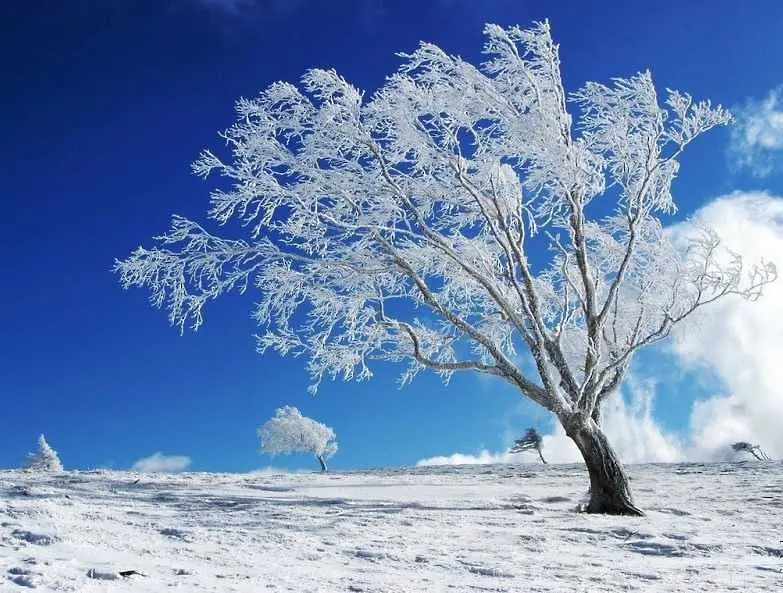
(102, 575)
(623, 533)
(373, 556)
(768, 551)
(174, 533)
(641, 575)
(675, 512)
(706, 549)
(21, 576)
(164, 497)
(39, 539)
(22, 580)
(555, 499)
(486, 571)
(654, 549)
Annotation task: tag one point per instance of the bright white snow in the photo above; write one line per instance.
(710, 527)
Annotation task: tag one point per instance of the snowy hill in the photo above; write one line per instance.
(715, 527)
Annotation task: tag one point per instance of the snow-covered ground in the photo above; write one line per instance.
(709, 528)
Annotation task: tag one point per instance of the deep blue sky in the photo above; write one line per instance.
(104, 106)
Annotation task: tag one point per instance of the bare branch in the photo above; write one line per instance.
(355, 214)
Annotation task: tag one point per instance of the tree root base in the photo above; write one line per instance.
(606, 508)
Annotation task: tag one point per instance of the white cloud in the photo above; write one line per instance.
(481, 458)
(631, 427)
(629, 424)
(757, 135)
(739, 343)
(158, 462)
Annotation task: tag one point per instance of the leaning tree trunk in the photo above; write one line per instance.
(320, 459)
(541, 455)
(597, 413)
(610, 491)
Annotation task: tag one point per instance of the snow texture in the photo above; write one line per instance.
(710, 527)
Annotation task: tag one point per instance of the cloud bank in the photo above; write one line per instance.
(158, 462)
(757, 136)
(483, 458)
(740, 343)
(628, 422)
(736, 342)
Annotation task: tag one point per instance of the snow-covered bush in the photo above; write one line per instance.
(45, 459)
(290, 432)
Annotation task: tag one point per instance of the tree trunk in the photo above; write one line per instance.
(610, 491)
(320, 459)
(597, 413)
(541, 455)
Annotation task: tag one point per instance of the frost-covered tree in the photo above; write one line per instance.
(290, 432)
(45, 459)
(461, 218)
(532, 441)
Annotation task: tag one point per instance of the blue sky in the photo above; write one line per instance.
(106, 104)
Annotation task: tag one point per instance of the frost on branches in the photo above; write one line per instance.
(531, 441)
(409, 227)
(290, 432)
(43, 460)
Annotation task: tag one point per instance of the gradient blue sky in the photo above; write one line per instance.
(104, 106)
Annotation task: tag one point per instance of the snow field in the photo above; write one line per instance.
(709, 527)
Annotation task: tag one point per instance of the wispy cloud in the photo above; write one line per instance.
(735, 345)
(757, 135)
(158, 462)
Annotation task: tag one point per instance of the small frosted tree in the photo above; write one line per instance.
(755, 450)
(290, 432)
(45, 459)
(461, 219)
(531, 441)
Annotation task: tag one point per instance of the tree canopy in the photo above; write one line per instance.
(288, 431)
(403, 226)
